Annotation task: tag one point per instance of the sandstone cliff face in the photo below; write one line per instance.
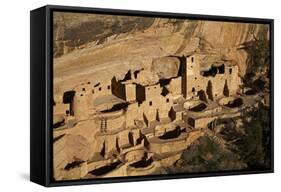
(87, 44)
(71, 32)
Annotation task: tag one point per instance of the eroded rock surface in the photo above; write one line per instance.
(166, 67)
(70, 152)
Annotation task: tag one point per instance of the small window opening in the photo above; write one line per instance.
(167, 100)
(192, 59)
(96, 85)
(99, 88)
(93, 91)
(108, 87)
(193, 89)
(150, 103)
(81, 95)
(230, 71)
(83, 89)
(67, 112)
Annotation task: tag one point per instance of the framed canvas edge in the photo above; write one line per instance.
(49, 91)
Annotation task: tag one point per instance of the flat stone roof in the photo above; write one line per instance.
(106, 102)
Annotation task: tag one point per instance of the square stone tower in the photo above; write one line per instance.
(190, 76)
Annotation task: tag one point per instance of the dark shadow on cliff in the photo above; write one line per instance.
(258, 60)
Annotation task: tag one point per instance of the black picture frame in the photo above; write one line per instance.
(41, 91)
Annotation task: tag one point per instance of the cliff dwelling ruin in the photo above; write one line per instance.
(137, 114)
